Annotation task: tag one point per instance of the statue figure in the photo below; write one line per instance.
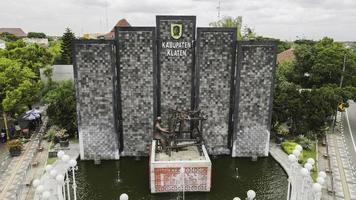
(161, 134)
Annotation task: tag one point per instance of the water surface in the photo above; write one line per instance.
(128, 175)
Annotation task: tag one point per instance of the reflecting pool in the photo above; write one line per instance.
(231, 177)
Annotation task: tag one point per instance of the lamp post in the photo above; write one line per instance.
(46, 194)
(236, 198)
(65, 158)
(317, 191)
(60, 182)
(251, 194)
(73, 164)
(304, 172)
(124, 196)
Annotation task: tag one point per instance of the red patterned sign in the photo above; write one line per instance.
(171, 179)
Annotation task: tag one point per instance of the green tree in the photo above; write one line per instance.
(322, 62)
(230, 22)
(66, 46)
(55, 50)
(307, 89)
(32, 56)
(62, 105)
(18, 86)
(36, 35)
(8, 37)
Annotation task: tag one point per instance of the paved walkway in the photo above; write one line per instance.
(344, 181)
(324, 165)
(40, 159)
(300, 190)
(15, 169)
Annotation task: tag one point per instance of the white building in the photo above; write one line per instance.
(2, 44)
(40, 41)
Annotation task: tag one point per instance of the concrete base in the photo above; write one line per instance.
(166, 172)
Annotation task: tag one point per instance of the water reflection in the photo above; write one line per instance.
(108, 180)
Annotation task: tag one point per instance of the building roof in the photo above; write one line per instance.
(120, 23)
(18, 32)
(287, 55)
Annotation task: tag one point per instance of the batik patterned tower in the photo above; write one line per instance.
(253, 101)
(94, 72)
(175, 35)
(137, 102)
(216, 50)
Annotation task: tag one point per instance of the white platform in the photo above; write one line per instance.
(166, 172)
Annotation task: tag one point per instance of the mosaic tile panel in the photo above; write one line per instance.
(256, 66)
(94, 69)
(215, 65)
(136, 71)
(175, 71)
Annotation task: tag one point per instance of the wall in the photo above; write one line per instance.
(95, 73)
(136, 61)
(231, 82)
(175, 72)
(216, 49)
(254, 96)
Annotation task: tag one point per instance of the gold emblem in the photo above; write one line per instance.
(176, 31)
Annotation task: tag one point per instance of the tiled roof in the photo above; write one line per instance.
(18, 32)
(120, 23)
(286, 55)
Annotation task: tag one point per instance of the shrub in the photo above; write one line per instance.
(289, 146)
(305, 142)
(51, 134)
(62, 134)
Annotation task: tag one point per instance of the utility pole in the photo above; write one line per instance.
(219, 7)
(343, 70)
(341, 81)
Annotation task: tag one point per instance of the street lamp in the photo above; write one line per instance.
(308, 166)
(251, 194)
(39, 189)
(311, 161)
(124, 196)
(236, 198)
(72, 165)
(304, 172)
(35, 183)
(296, 152)
(46, 195)
(65, 158)
(60, 154)
(317, 191)
(322, 174)
(60, 182)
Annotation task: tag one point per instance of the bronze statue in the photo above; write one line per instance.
(180, 124)
(161, 134)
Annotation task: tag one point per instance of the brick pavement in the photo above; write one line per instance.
(15, 169)
(344, 181)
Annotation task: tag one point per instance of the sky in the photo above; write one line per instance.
(283, 19)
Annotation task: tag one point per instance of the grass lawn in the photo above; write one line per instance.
(50, 161)
(288, 147)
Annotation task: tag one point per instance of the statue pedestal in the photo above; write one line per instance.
(167, 172)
